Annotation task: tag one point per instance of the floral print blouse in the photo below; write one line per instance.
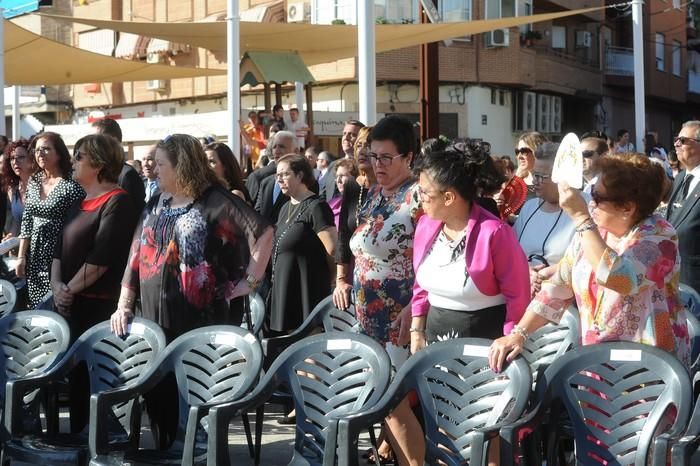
(383, 248)
(631, 296)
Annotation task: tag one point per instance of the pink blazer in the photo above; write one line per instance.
(494, 260)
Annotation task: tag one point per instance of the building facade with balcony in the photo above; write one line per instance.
(572, 74)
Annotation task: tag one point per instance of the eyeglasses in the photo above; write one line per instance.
(684, 140)
(597, 198)
(588, 153)
(523, 150)
(42, 150)
(280, 175)
(540, 178)
(18, 158)
(426, 196)
(383, 160)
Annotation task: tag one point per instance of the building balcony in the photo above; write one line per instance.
(619, 61)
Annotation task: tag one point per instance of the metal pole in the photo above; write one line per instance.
(429, 82)
(234, 80)
(2, 71)
(16, 90)
(638, 43)
(367, 74)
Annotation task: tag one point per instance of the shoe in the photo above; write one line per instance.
(287, 420)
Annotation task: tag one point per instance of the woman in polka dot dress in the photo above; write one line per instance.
(50, 194)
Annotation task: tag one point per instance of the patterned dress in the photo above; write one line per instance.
(185, 262)
(383, 248)
(631, 296)
(42, 223)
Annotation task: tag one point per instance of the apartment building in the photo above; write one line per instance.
(573, 74)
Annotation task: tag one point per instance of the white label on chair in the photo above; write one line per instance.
(135, 328)
(250, 338)
(39, 322)
(476, 350)
(225, 339)
(344, 344)
(625, 355)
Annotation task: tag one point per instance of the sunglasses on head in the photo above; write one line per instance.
(523, 150)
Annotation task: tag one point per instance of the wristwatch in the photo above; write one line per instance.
(252, 282)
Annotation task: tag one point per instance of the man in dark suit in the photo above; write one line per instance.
(328, 189)
(684, 206)
(269, 199)
(280, 145)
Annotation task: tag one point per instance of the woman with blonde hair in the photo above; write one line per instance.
(525, 155)
(199, 248)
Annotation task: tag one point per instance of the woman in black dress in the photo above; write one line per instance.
(50, 195)
(92, 250)
(198, 250)
(305, 241)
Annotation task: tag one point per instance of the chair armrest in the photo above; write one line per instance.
(660, 452)
(683, 448)
(100, 403)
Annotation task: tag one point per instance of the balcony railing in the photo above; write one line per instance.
(694, 82)
(619, 61)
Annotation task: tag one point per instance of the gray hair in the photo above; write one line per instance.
(693, 124)
(288, 135)
(547, 151)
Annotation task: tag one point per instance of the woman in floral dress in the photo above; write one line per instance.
(383, 248)
(622, 269)
(198, 249)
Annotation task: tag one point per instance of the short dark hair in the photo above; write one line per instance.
(354, 122)
(601, 144)
(277, 107)
(621, 133)
(4, 139)
(104, 153)
(594, 134)
(293, 109)
(110, 127)
(397, 130)
(465, 166)
(299, 164)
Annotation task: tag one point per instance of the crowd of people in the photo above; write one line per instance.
(429, 242)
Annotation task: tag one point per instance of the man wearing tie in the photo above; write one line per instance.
(149, 171)
(683, 207)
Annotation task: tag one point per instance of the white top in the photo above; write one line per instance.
(443, 274)
(299, 128)
(535, 228)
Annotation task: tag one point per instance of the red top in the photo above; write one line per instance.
(90, 205)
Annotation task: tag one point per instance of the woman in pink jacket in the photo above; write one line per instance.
(471, 274)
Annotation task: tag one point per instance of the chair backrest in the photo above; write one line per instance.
(212, 364)
(617, 395)
(32, 342)
(334, 319)
(256, 306)
(8, 297)
(330, 375)
(549, 342)
(458, 392)
(690, 299)
(694, 334)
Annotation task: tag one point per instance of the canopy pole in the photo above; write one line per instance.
(299, 98)
(367, 73)
(638, 43)
(234, 79)
(16, 90)
(3, 129)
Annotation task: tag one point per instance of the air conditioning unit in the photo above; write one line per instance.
(556, 114)
(525, 111)
(583, 39)
(154, 58)
(155, 85)
(543, 113)
(298, 12)
(498, 38)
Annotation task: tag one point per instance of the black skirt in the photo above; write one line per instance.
(445, 324)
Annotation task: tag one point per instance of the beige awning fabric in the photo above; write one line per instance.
(131, 46)
(97, 41)
(63, 64)
(163, 47)
(315, 43)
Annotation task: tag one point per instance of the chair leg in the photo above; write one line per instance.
(248, 435)
(259, 413)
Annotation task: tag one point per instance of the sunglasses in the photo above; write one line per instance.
(684, 140)
(589, 153)
(597, 198)
(523, 150)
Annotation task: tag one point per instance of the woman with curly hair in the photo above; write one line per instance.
(51, 193)
(18, 167)
(199, 248)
